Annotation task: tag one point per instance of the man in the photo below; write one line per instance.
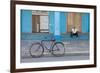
(74, 32)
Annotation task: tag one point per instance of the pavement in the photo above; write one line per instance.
(78, 48)
(45, 58)
(74, 50)
(72, 45)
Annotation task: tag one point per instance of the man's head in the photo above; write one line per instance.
(73, 27)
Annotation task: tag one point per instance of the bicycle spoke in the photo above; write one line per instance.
(58, 49)
(36, 50)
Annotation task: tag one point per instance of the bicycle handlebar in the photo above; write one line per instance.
(52, 39)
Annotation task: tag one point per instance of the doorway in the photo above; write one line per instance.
(74, 20)
(40, 23)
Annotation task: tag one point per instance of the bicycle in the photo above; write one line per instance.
(56, 48)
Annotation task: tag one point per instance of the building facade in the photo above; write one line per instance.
(54, 22)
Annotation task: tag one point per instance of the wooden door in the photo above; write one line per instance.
(77, 21)
(70, 21)
(44, 23)
(74, 20)
(35, 23)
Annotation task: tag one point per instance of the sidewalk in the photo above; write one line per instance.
(76, 47)
(79, 47)
(73, 46)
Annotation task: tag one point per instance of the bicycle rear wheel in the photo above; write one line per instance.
(58, 49)
(36, 50)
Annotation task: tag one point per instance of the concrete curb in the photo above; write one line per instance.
(76, 52)
(66, 54)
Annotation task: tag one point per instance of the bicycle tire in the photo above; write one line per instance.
(58, 51)
(36, 50)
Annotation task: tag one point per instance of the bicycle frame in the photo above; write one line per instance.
(44, 46)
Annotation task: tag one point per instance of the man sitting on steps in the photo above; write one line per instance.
(74, 32)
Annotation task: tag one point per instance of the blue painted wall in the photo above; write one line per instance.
(26, 21)
(57, 23)
(63, 22)
(85, 22)
(57, 26)
(51, 21)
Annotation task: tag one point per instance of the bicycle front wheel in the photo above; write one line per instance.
(36, 50)
(58, 49)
